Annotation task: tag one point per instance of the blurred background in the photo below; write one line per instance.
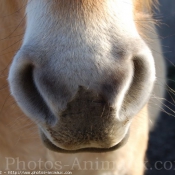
(160, 158)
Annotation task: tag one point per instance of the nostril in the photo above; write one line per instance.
(141, 85)
(24, 90)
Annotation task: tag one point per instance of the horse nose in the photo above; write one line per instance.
(68, 112)
(42, 90)
(81, 106)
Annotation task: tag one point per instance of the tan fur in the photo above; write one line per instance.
(19, 136)
(144, 4)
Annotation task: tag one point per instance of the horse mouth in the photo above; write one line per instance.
(51, 146)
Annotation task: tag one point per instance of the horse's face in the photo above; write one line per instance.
(82, 73)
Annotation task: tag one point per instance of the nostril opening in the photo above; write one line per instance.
(141, 86)
(139, 75)
(140, 70)
(24, 90)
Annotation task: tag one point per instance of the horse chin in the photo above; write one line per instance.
(51, 146)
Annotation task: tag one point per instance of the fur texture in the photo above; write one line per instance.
(78, 56)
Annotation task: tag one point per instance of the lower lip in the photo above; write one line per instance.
(53, 147)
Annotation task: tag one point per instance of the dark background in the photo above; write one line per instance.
(161, 148)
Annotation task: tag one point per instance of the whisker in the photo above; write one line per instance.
(4, 104)
(4, 87)
(12, 45)
(14, 51)
(17, 11)
(15, 28)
